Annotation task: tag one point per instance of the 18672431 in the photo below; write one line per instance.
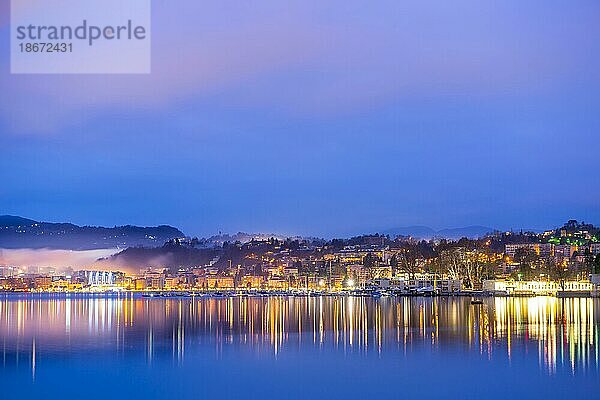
(46, 47)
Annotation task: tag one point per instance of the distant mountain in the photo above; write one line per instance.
(244, 237)
(18, 232)
(421, 232)
(425, 232)
(471, 232)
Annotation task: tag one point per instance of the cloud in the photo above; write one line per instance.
(308, 58)
(133, 265)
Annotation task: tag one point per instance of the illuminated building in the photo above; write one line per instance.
(42, 282)
(100, 278)
(140, 284)
(220, 282)
(277, 284)
(540, 249)
(171, 282)
(536, 287)
(252, 282)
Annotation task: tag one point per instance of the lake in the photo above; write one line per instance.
(93, 347)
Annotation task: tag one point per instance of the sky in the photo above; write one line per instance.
(319, 118)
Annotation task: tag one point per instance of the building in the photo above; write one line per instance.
(100, 278)
(418, 283)
(220, 282)
(540, 249)
(252, 282)
(156, 282)
(171, 282)
(140, 284)
(425, 281)
(42, 282)
(564, 250)
(276, 283)
(536, 288)
(66, 285)
(382, 283)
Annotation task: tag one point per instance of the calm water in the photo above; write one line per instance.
(269, 348)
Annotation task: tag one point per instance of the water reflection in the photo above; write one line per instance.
(561, 333)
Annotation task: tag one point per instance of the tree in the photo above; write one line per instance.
(454, 261)
(478, 266)
(589, 262)
(526, 259)
(394, 264)
(410, 262)
(369, 264)
(558, 272)
(596, 269)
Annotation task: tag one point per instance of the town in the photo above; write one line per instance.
(559, 262)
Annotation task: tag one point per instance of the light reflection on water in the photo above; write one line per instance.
(562, 334)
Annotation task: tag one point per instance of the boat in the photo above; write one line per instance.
(476, 301)
(426, 291)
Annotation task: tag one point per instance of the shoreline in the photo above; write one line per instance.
(225, 294)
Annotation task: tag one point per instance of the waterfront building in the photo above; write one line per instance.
(252, 282)
(220, 282)
(276, 283)
(425, 281)
(417, 283)
(386, 283)
(156, 283)
(540, 288)
(336, 282)
(140, 284)
(171, 282)
(66, 285)
(99, 278)
(358, 273)
(42, 282)
(200, 282)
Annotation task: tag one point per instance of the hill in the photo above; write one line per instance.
(171, 255)
(17, 232)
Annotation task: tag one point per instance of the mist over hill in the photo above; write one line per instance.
(171, 255)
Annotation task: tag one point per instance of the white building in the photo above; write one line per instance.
(100, 278)
(418, 283)
(535, 288)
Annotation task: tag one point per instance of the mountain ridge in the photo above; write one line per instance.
(18, 232)
(425, 232)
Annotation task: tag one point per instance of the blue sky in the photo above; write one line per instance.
(325, 118)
